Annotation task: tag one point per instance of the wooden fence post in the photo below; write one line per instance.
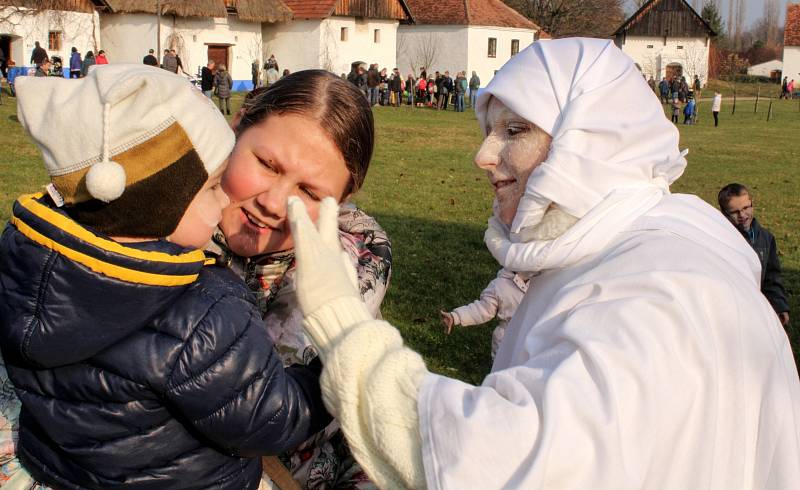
(769, 111)
(758, 94)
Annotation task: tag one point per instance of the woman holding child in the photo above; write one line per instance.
(184, 341)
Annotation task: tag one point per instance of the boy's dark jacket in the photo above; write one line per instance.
(137, 365)
(767, 250)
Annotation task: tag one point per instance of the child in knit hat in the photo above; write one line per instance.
(137, 362)
(500, 298)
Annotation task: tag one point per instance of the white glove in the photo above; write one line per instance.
(324, 273)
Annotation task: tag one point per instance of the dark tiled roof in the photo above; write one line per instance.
(791, 35)
(492, 13)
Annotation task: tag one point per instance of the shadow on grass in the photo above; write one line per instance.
(439, 265)
(13, 118)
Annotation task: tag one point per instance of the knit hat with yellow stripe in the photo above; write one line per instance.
(127, 147)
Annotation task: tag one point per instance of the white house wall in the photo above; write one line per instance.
(446, 45)
(128, 37)
(478, 50)
(295, 44)
(765, 69)
(26, 27)
(791, 62)
(653, 55)
(337, 55)
(307, 44)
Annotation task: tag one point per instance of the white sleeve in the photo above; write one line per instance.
(481, 310)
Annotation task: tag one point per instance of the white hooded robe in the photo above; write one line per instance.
(644, 355)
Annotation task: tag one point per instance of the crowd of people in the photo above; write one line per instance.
(436, 90)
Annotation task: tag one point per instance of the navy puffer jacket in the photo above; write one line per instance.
(139, 366)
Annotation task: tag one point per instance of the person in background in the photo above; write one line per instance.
(422, 91)
(383, 87)
(652, 84)
(676, 110)
(790, 89)
(101, 58)
(271, 63)
(178, 61)
(254, 74)
(461, 89)
(207, 79)
(223, 84)
(75, 63)
(500, 299)
(784, 88)
(474, 85)
(271, 76)
(716, 105)
(168, 62)
(150, 59)
(373, 80)
(396, 85)
(3, 64)
(688, 111)
(697, 87)
(88, 61)
(736, 203)
(663, 87)
(38, 55)
(411, 88)
(286, 73)
(43, 69)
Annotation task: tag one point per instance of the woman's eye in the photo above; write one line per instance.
(310, 194)
(268, 165)
(515, 129)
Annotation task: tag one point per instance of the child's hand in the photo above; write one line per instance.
(447, 321)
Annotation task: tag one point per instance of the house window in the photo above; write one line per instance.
(54, 40)
(376, 36)
(343, 35)
(680, 47)
(649, 46)
(492, 47)
(514, 46)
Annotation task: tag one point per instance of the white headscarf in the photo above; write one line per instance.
(609, 130)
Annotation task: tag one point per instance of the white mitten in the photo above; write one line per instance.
(325, 279)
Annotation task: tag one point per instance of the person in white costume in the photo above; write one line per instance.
(500, 298)
(642, 355)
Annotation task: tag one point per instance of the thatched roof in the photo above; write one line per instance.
(263, 11)
(181, 8)
(68, 5)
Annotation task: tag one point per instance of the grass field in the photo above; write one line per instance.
(424, 189)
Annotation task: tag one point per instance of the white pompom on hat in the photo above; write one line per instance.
(139, 138)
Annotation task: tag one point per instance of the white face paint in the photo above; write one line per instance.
(513, 148)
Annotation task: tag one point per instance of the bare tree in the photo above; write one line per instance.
(564, 18)
(695, 62)
(326, 55)
(418, 49)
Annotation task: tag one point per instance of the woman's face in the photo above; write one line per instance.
(513, 148)
(282, 156)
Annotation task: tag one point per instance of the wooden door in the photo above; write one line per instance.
(219, 53)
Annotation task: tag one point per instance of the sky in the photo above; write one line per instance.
(754, 9)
